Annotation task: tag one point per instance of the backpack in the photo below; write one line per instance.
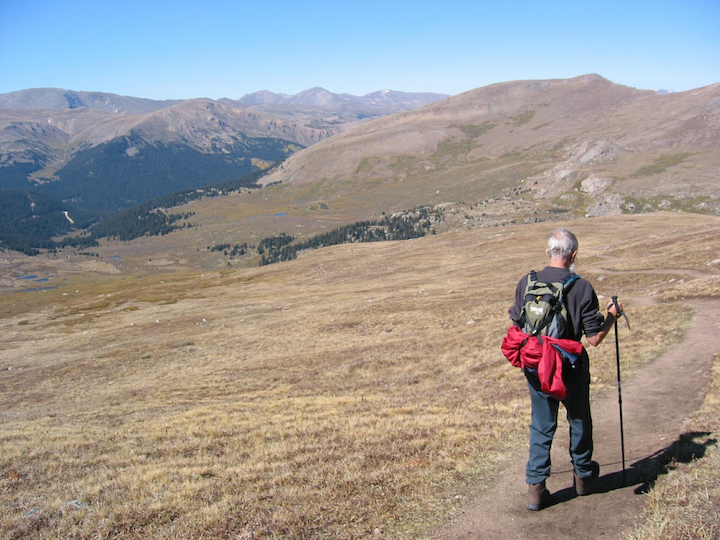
(544, 312)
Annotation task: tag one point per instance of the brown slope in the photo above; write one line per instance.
(201, 121)
(56, 135)
(180, 122)
(628, 145)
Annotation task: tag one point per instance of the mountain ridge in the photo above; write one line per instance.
(561, 131)
(320, 96)
(58, 98)
(47, 127)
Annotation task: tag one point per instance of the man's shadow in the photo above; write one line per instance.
(644, 473)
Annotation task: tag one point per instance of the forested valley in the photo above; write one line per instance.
(32, 221)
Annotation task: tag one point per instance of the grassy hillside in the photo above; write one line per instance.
(519, 152)
(587, 144)
(355, 392)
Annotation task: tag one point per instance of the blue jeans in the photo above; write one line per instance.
(543, 423)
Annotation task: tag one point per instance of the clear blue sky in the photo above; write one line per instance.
(173, 49)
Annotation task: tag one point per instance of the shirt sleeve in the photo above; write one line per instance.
(515, 311)
(590, 316)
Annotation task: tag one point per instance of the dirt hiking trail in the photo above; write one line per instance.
(657, 401)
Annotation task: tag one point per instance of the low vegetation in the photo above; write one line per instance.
(684, 503)
(399, 226)
(522, 118)
(662, 163)
(355, 392)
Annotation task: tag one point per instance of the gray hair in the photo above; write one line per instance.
(561, 244)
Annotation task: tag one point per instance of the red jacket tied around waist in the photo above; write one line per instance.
(540, 353)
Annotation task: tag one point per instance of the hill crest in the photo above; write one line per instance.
(597, 144)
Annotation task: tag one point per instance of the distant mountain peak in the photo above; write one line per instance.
(320, 97)
(263, 96)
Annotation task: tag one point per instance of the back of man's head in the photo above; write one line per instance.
(561, 244)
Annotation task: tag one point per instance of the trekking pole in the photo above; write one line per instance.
(619, 387)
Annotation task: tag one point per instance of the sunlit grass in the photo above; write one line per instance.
(684, 503)
(358, 391)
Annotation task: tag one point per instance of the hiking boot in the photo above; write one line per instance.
(584, 486)
(538, 496)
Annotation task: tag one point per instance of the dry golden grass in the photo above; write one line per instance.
(685, 503)
(355, 392)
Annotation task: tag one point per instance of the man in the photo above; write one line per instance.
(584, 317)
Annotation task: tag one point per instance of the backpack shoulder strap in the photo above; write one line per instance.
(572, 278)
(531, 279)
(564, 287)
